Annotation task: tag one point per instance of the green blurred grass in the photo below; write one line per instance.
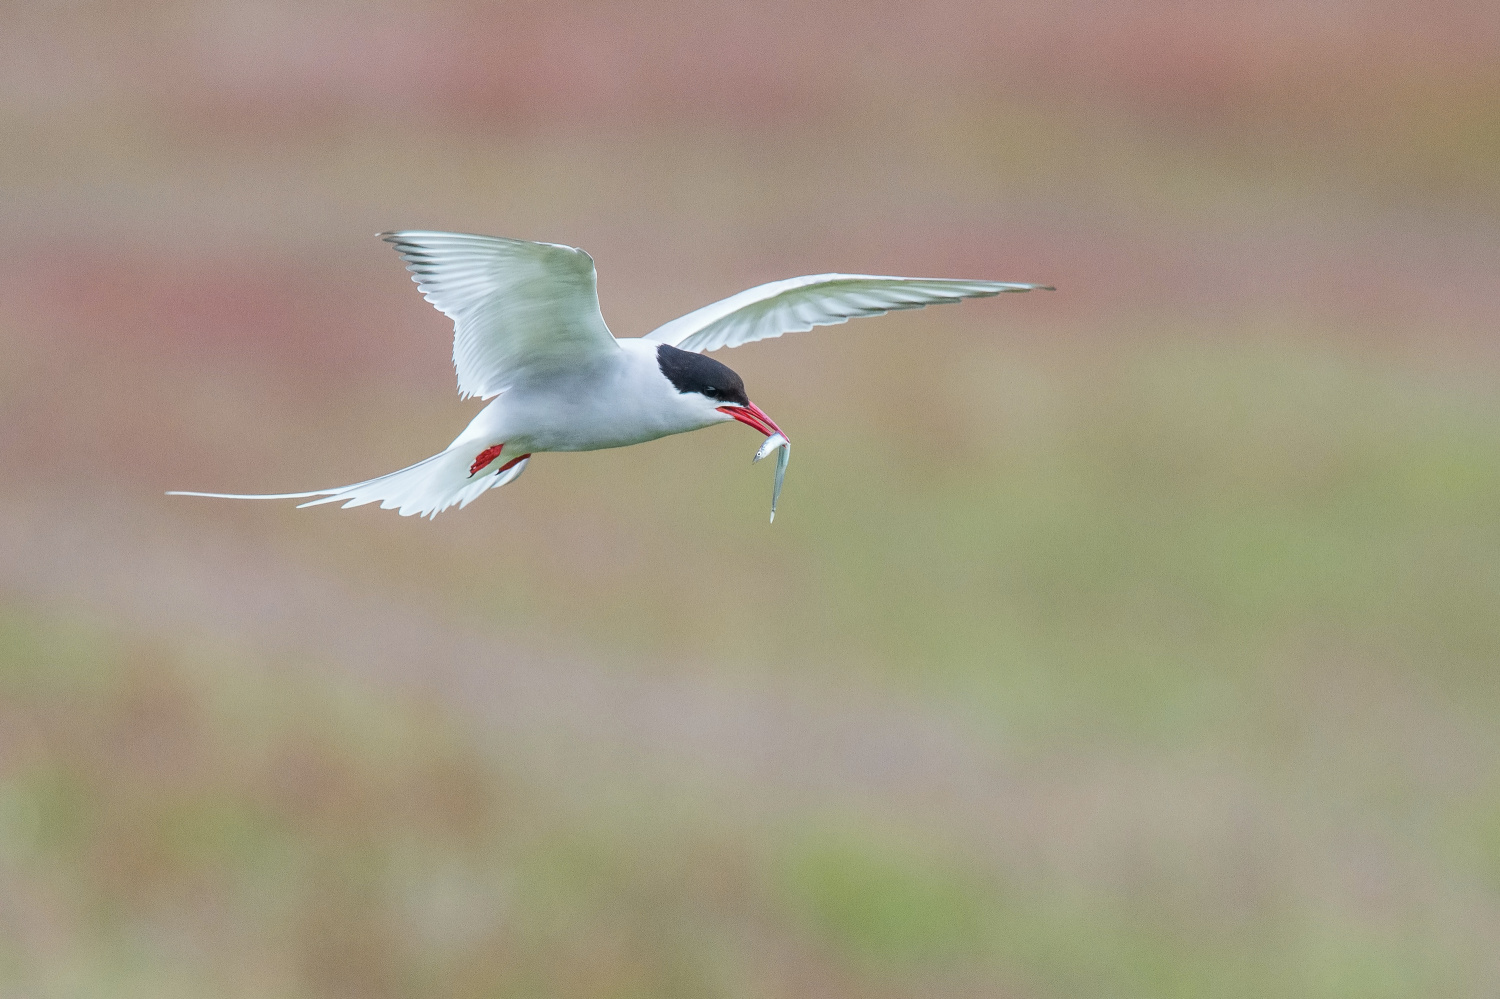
(175, 825)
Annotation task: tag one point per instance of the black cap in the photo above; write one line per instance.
(690, 372)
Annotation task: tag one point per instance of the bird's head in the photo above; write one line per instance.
(722, 390)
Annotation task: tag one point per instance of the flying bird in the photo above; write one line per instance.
(529, 335)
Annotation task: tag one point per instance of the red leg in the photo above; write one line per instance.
(513, 461)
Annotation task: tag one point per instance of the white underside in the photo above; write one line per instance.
(620, 400)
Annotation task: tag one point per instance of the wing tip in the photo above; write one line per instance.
(1004, 286)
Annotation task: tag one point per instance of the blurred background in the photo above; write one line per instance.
(1139, 639)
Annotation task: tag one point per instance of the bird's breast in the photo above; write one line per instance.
(628, 403)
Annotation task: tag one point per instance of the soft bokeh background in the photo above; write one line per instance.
(1142, 639)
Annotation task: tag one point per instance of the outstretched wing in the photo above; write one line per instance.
(800, 303)
(517, 307)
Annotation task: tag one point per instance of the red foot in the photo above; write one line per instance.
(486, 456)
(489, 454)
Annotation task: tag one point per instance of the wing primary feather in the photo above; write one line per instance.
(517, 307)
(801, 303)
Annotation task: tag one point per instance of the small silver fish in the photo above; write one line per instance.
(775, 441)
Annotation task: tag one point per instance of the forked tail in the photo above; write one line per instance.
(427, 488)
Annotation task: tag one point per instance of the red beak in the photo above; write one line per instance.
(753, 416)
